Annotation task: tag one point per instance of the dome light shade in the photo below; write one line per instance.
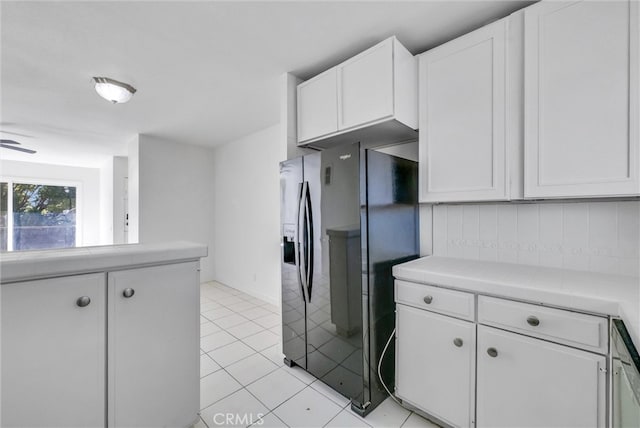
(114, 91)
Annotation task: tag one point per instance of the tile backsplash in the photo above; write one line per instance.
(594, 236)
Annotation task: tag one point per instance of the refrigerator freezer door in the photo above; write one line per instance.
(293, 301)
(390, 217)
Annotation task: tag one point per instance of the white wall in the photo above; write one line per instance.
(407, 150)
(88, 192)
(247, 213)
(133, 172)
(593, 236)
(288, 115)
(113, 175)
(120, 191)
(106, 202)
(172, 183)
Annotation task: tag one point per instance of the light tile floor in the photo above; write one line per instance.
(243, 380)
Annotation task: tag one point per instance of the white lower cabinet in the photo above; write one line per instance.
(529, 382)
(116, 349)
(53, 352)
(436, 364)
(467, 374)
(153, 317)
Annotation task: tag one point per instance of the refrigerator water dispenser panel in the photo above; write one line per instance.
(288, 243)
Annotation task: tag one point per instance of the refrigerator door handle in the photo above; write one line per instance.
(309, 243)
(296, 238)
(301, 261)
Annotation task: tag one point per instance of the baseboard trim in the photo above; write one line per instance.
(252, 293)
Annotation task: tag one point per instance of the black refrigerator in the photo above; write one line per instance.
(348, 214)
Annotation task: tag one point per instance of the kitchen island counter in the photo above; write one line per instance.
(28, 265)
(121, 329)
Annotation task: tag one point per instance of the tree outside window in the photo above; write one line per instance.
(44, 216)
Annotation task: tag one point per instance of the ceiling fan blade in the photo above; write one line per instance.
(14, 133)
(20, 149)
(9, 142)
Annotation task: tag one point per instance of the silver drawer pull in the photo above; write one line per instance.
(83, 301)
(458, 342)
(128, 292)
(428, 299)
(533, 321)
(493, 352)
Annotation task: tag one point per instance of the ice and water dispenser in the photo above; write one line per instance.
(288, 243)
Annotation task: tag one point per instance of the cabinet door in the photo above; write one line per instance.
(154, 346)
(365, 86)
(318, 106)
(462, 118)
(532, 383)
(581, 99)
(435, 363)
(53, 352)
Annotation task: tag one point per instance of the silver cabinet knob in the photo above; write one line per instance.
(83, 301)
(493, 352)
(128, 292)
(428, 299)
(458, 342)
(533, 321)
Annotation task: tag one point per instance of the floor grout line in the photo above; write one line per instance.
(228, 395)
(234, 378)
(236, 361)
(406, 419)
(281, 404)
(203, 421)
(265, 405)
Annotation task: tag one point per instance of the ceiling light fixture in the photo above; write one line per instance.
(114, 91)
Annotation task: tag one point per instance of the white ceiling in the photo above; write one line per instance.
(206, 71)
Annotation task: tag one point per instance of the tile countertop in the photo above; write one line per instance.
(614, 295)
(26, 265)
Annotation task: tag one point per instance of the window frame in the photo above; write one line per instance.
(10, 180)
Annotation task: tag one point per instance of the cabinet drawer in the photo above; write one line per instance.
(436, 299)
(574, 329)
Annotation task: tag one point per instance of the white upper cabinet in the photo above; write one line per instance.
(365, 85)
(581, 99)
(367, 89)
(470, 116)
(318, 106)
(378, 87)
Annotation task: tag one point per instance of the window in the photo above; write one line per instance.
(37, 216)
(4, 215)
